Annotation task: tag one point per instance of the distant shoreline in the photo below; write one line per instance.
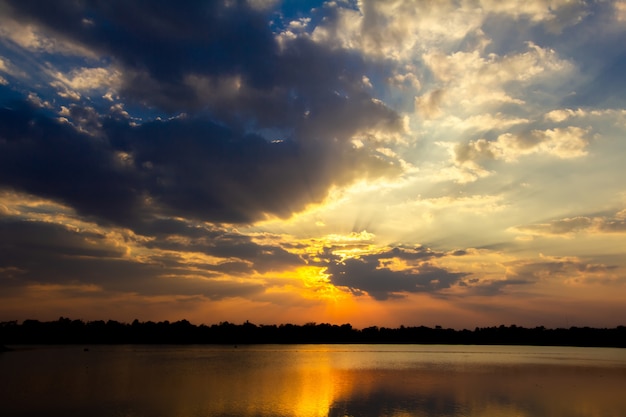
(67, 331)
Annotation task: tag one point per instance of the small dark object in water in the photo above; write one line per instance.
(86, 350)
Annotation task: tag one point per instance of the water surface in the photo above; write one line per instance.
(313, 380)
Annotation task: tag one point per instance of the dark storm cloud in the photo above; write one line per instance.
(44, 253)
(220, 62)
(180, 167)
(52, 253)
(164, 39)
(228, 245)
(24, 240)
(182, 58)
(370, 273)
(199, 169)
(48, 158)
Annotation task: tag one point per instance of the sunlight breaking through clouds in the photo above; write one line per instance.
(313, 160)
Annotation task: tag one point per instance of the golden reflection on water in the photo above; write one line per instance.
(312, 381)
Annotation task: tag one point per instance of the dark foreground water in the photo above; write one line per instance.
(313, 380)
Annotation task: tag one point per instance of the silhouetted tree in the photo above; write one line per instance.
(65, 330)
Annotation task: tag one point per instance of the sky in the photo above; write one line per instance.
(431, 162)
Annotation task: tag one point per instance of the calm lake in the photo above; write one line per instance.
(313, 380)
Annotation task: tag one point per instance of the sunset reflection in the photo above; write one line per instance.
(314, 380)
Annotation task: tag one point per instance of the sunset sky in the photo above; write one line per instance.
(431, 162)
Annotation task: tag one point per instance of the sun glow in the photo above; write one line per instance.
(317, 281)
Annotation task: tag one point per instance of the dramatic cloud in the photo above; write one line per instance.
(37, 253)
(193, 167)
(265, 158)
(221, 169)
(391, 273)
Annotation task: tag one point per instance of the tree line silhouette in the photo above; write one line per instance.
(67, 331)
